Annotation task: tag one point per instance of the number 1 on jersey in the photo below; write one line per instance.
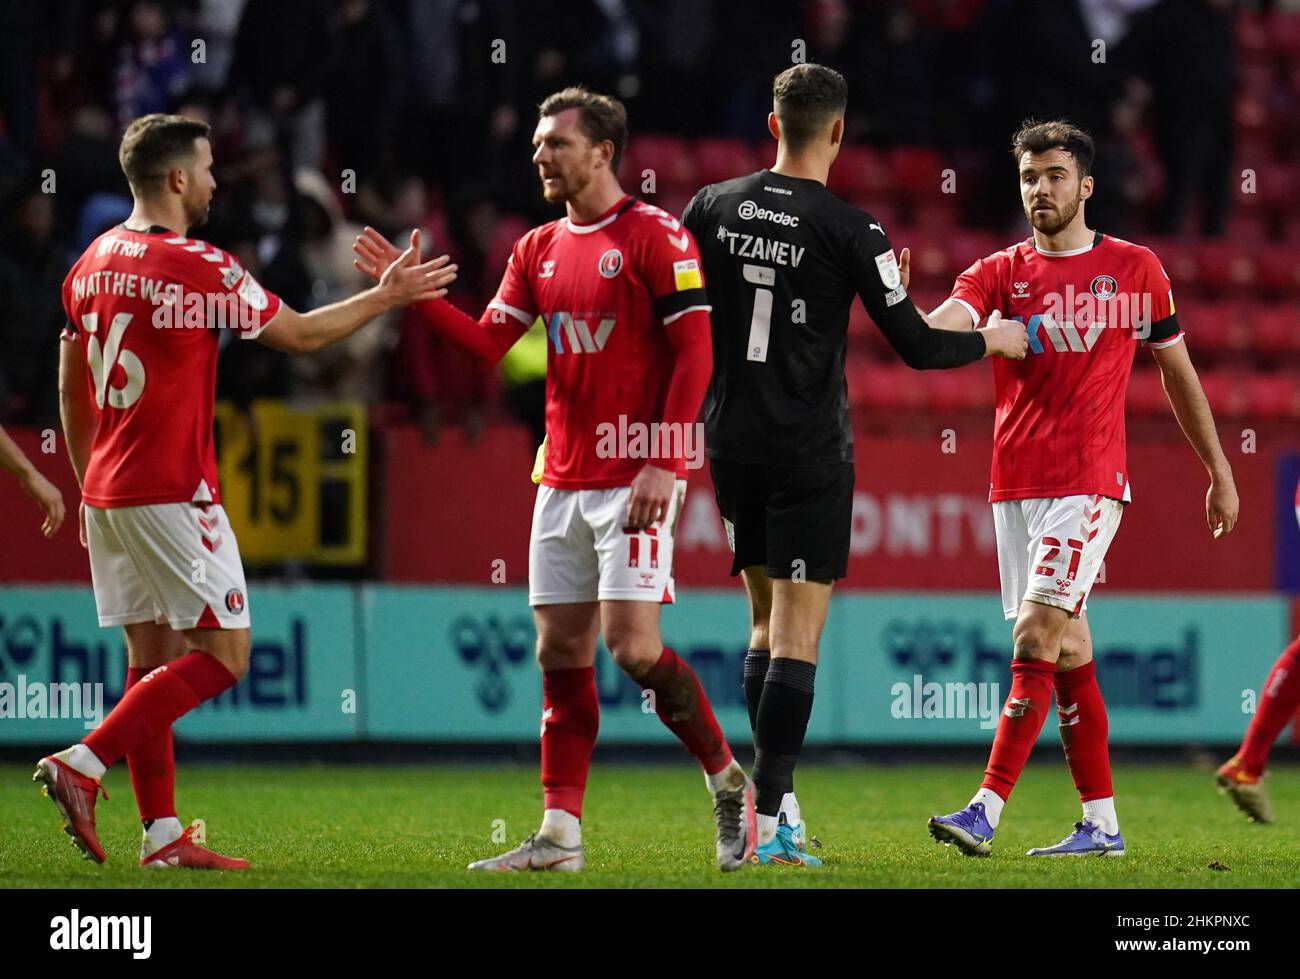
(760, 324)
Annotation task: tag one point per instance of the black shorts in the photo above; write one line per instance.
(778, 516)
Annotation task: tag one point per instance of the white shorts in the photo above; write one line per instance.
(170, 563)
(580, 550)
(1050, 550)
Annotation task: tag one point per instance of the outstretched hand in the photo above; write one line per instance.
(401, 275)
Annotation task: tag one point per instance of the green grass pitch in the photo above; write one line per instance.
(648, 826)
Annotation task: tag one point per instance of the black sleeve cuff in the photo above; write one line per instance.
(1165, 329)
(678, 302)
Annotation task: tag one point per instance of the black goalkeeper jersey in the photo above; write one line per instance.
(783, 259)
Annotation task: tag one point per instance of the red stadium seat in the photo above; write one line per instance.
(1274, 397)
(917, 170)
(1279, 271)
(860, 173)
(966, 247)
(1214, 329)
(1224, 267)
(669, 157)
(1226, 392)
(1274, 331)
(959, 390)
(888, 388)
(932, 263)
(722, 159)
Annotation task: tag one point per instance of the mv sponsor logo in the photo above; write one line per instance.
(495, 648)
(565, 328)
(102, 933)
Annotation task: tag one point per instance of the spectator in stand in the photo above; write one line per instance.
(354, 367)
(33, 262)
(153, 69)
(283, 55)
(364, 95)
(1184, 50)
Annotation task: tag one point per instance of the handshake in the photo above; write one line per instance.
(1004, 338)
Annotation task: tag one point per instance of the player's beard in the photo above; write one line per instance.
(1053, 222)
(196, 214)
(571, 185)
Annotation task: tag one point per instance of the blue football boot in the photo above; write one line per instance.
(1087, 840)
(786, 849)
(968, 828)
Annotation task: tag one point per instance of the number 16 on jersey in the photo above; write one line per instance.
(760, 324)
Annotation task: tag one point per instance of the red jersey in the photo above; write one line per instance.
(605, 291)
(148, 307)
(1058, 428)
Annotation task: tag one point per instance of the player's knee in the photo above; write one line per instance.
(633, 654)
(1072, 656)
(1034, 641)
(554, 653)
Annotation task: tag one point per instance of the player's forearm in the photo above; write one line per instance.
(1192, 410)
(337, 321)
(488, 338)
(75, 413)
(925, 348)
(12, 458)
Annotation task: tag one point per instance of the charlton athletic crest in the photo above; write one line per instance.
(1104, 287)
(610, 263)
(234, 601)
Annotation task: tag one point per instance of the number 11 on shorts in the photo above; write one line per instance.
(760, 325)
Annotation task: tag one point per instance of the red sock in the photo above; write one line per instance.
(148, 709)
(152, 767)
(570, 719)
(1020, 724)
(1084, 731)
(684, 708)
(1277, 705)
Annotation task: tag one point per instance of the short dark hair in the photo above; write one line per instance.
(153, 144)
(805, 98)
(601, 117)
(1058, 134)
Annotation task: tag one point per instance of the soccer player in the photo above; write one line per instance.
(619, 286)
(1241, 776)
(784, 258)
(40, 489)
(1060, 477)
(137, 371)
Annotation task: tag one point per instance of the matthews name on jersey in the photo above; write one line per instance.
(785, 258)
(605, 291)
(147, 306)
(1059, 423)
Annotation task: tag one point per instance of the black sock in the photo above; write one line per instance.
(756, 663)
(779, 729)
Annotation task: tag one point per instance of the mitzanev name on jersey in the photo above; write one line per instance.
(742, 244)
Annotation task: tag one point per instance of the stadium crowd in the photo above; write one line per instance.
(329, 115)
